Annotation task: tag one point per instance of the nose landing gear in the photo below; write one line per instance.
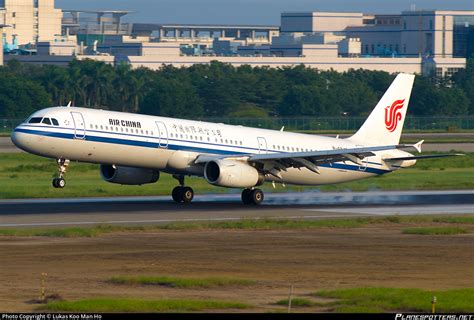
(60, 182)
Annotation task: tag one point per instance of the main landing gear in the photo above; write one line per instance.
(252, 196)
(60, 182)
(181, 193)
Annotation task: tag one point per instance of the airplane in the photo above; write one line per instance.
(133, 149)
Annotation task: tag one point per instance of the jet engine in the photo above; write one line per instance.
(232, 174)
(128, 175)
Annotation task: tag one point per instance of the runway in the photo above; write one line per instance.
(301, 205)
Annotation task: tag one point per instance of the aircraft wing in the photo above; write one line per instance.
(275, 162)
(427, 156)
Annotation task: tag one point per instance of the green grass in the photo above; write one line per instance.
(459, 219)
(247, 224)
(244, 224)
(435, 230)
(176, 282)
(135, 305)
(298, 302)
(83, 180)
(394, 300)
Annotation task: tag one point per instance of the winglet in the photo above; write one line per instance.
(417, 145)
(69, 104)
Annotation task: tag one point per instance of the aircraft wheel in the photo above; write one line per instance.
(256, 196)
(177, 194)
(187, 194)
(246, 196)
(61, 183)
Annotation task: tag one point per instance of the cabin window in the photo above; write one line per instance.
(35, 120)
(46, 121)
(126, 129)
(208, 139)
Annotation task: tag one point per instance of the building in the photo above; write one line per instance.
(424, 41)
(30, 20)
(90, 27)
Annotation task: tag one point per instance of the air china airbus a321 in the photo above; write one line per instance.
(134, 149)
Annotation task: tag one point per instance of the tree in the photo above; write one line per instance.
(20, 97)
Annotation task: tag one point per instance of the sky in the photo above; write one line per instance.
(249, 11)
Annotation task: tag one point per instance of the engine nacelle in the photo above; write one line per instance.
(128, 175)
(232, 174)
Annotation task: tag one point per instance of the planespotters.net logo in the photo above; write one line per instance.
(421, 316)
(393, 115)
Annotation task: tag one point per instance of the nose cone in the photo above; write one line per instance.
(19, 139)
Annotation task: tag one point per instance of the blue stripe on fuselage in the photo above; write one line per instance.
(155, 145)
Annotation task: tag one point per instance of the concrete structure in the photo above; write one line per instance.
(2, 26)
(413, 41)
(95, 27)
(191, 33)
(31, 21)
(145, 49)
(57, 48)
(311, 22)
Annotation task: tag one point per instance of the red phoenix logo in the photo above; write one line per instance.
(393, 115)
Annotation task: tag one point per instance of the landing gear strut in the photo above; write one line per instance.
(252, 196)
(182, 193)
(60, 182)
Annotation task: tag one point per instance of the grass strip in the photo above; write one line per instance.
(244, 224)
(176, 282)
(395, 300)
(435, 230)
(136, 305)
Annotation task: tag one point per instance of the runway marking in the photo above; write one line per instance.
(406, 210)
(42, 224)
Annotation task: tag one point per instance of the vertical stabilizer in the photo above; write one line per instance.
(384, 125)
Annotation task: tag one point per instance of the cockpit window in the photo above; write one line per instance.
(55, 122)
(35, 120)
(46, 121)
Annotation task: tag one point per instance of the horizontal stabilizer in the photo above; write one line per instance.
(428, 156)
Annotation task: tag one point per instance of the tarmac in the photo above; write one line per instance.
(213, 207)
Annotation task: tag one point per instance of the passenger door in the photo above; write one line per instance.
(162, 134)
(262, 145)
(79, 125)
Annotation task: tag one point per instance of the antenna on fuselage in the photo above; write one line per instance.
(282, 128)
(69, 104)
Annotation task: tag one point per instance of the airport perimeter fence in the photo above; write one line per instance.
(446, 124)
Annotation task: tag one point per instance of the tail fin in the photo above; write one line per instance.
(384, 125)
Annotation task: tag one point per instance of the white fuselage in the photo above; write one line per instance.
(171, 145)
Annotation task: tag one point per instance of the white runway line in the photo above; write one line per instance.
(406, 210)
